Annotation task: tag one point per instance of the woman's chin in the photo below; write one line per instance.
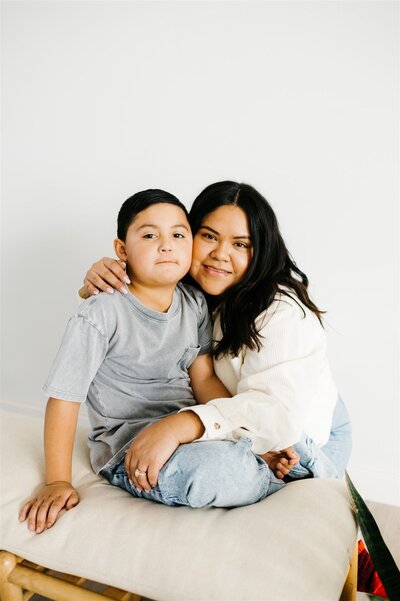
(211, 287)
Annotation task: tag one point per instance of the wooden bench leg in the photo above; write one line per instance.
(8, 591)
(349, 592)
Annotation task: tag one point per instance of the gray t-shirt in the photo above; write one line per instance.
(130, 364)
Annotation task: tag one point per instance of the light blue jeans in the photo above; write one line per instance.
(330, 460)
(229, 474)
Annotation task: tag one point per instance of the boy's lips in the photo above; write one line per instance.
(167, 263)
(216, 270)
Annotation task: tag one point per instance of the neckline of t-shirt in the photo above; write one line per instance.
(158, 315)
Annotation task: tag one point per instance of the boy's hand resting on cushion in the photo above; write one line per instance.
(42, 510)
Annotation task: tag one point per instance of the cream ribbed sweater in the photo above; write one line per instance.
(279, 392)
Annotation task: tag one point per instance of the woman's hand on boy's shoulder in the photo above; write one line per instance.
(42, 511)
(106, 275)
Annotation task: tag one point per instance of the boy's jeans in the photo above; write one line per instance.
(229, 474)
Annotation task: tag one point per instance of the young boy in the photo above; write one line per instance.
(134, 359)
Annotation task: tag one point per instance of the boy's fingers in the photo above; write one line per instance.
(25, 510)
(72, 501)
(32, 515)
(283, 469)
(291, 453)
(41, 517)
(53, 511)
(52, 515)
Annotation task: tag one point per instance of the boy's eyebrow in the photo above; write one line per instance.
(157, 226)
(207, 227)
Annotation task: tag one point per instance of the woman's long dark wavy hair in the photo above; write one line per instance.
(271, 267)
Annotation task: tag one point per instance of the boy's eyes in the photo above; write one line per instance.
(152, 236)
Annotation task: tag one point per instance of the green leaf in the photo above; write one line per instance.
(380, 554)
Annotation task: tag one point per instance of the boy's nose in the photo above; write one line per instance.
(165, 246)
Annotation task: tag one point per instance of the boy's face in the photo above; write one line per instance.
(158, 246)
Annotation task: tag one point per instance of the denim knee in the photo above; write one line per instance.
(215, 473)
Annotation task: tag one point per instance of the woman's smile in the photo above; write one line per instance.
(217, 271)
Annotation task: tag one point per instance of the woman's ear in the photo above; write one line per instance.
(119, 247)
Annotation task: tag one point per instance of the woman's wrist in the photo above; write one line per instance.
(187, 426)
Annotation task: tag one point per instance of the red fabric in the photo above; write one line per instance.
(368, 580)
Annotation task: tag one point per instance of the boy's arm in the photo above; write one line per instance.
(205, 384)
(57, 493)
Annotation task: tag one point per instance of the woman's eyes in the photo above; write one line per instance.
(208, 236)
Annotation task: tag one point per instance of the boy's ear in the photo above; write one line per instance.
(119, 247)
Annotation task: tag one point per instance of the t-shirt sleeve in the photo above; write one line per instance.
(82, 351)
(204, 327)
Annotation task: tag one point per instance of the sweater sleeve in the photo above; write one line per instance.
(276, 384)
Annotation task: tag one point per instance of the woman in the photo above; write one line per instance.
(270, 350)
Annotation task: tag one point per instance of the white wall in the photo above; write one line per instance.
(102, 99)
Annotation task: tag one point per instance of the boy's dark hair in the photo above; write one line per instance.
(141, 201)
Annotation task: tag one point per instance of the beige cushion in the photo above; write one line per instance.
(294, 545)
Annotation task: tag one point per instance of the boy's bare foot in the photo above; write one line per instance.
(281, 462)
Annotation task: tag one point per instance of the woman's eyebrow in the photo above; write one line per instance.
(207, 227)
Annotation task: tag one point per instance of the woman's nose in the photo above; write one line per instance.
(221, 252)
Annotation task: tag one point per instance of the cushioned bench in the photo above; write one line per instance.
(295, 545)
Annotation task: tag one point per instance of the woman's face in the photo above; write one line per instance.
(222, 250)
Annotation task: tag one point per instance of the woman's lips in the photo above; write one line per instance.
(216, 271)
